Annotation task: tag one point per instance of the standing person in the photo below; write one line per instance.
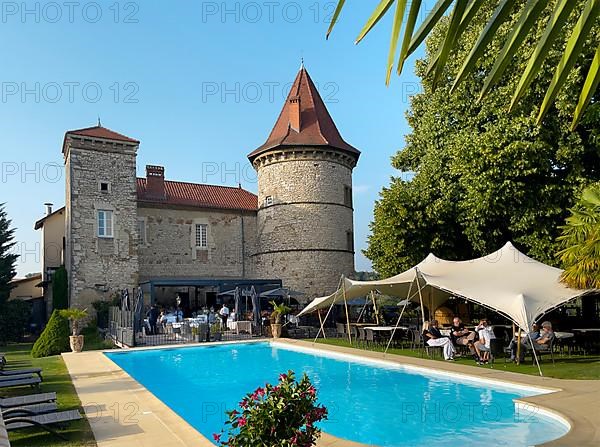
(153, 319)
(224, 313)
(483, 345)
(462, 336)
(433, 337)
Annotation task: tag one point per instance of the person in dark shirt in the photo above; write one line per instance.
(152, 319)
(433, 337)
(461, 336)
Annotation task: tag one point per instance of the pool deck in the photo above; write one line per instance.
(122, 413)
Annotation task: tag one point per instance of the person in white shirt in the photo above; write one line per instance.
(224, 313)
(483, 345)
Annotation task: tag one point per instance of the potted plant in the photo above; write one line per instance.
(215, 333)
(283, 415)
(195, 334)
(75, 316)
(279, 310)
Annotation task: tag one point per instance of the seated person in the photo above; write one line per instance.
(542, 343)
(462, 336)
(513, 346)
(483, 345)
(433, 337)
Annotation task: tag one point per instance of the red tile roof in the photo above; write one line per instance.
(201, 196)
(102, 132)
(317, 127)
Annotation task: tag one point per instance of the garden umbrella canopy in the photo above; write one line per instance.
(506, 281)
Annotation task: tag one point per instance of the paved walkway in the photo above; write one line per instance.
(122, 413)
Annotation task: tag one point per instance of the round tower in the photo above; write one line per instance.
(305, 216)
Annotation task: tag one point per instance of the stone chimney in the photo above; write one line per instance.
(48, 208)
(155, 176)
(295, 113)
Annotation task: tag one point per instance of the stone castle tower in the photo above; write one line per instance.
(101, 213)
(305, 212)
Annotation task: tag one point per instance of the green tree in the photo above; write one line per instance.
(60, 289)
(54, 339)
(580, 241)
(567, 25)
(7, 258)
(474, 176)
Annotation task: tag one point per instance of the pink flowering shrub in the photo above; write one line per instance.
(282, 415)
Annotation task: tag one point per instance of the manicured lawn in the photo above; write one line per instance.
(57, 379)
(575, 367)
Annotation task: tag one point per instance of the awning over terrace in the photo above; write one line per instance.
(506, 281)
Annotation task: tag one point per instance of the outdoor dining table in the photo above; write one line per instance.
(385, 328)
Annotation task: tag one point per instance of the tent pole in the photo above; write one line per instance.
(399, 318)
(322, 329)
(322, 323)
(347, 314)
(535, 354)
(362, 311)
(518, 346)
(420, 296)
(375, 307)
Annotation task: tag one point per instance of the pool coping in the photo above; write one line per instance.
(123, 413)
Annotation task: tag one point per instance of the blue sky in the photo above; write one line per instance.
(200, 83)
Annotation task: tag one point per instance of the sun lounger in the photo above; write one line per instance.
(30, 381)
(16, 372)
(15, 377)
(42, 421)
(31, 399)
(30, 410)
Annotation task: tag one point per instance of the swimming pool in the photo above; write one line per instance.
(379, 404)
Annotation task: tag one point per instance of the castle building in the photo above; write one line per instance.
(197, 240)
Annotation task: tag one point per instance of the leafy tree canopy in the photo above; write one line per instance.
(580, 241)
(8, 259)
(478, 175)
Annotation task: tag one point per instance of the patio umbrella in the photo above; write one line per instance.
(236, 298)
(255, 306)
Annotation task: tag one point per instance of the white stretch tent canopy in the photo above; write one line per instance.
(506, 281)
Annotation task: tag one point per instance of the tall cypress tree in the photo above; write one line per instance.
(7, 258)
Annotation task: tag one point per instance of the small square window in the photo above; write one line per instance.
(104, 187)
(350, 241)
(268, 200)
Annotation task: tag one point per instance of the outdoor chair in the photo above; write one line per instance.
(414, 337)
(31, 399)
(370, 337)
(43, 421)
(429, 350)
(31, 381)
(496, 348)
(339, 330)
(362, 336)
(542, 352)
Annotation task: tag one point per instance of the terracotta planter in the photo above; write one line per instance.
(276, 330)
(76, 343)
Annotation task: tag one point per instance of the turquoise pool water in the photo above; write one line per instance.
(368, 403)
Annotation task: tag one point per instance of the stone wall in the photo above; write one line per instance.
(305, 220)
(100, 267)
(169, 248)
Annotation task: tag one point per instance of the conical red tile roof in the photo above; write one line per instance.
(316, 125)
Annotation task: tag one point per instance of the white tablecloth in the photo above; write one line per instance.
(240, 326)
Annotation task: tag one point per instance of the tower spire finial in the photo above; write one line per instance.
(99, 122)
(301, 63)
